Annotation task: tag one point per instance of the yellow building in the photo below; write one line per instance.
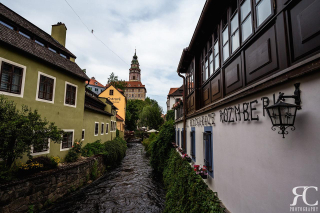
(118, 99)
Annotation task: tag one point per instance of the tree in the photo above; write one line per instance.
(170, 115)
(151, 116)
(132, 113)
(20, 130)
(118, 84)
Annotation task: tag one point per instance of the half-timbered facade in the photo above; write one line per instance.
(241, 55)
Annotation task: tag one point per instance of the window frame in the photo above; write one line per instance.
(237, 30)
(193, 143)
(252, 14)
(24, 73)
(107, 128)
(83, 134)
(102, 128)
(208, 131)
(72, 142)
(40, 153)
(94, 129)
(65, 95)
(111, 92)
(255, 4)
(53, 91)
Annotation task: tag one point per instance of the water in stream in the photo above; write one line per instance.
(128, 188)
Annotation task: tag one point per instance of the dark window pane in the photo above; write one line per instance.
(46, 88)
(70, 95)
(10, 78)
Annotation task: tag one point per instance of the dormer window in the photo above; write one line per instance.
(7, 25)
(52, 50)
(25, 35)
(96, 83)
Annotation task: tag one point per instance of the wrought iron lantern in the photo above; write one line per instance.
(282, 114)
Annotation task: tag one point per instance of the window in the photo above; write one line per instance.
(39, 42)
(216, 55)
(235, 40)
(70, 95)
(12, 78)
(102, 128)
(83, 134)
(41, 149)
(193, 143)
(25, 35)
(96, 128)
(178, 133)
(183, 144)
(64, 56)
(107, 128)
(225, 43)
(246, 20)
(67, 140)
(45, 88)
(208, 149)
(7, 25)
(52, 50)
(96, 89)
(111, 92)
(263, 10)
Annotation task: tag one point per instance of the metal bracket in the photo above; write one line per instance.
(296, 96)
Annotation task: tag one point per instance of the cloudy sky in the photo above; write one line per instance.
(159, 29)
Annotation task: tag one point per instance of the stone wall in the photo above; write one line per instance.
(44, 188)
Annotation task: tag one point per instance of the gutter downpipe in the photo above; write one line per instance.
(184, 110)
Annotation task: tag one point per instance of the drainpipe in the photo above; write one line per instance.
(184, 109)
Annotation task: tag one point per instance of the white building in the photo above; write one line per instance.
(237, 74)
(173, 96)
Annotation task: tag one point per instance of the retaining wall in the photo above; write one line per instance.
(44, 188)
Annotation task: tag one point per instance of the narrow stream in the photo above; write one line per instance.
(128, 188)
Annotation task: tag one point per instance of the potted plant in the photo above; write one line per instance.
(204, 172)
(186, 157)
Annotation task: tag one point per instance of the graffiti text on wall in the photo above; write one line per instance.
(205, 120)
(244, 111)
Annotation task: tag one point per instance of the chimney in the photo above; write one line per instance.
(59, 32)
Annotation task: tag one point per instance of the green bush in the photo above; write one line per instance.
(186, 191)
(146, 143)
(47, 163)
(160, 148)
(115, 151)
(74, 153)
(91, 149)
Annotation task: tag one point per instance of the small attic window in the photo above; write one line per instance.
(7, 25)
(138, 85)
(64, 56)
(96, 83)
(25, 35)
(39, 42)
(52, 50)
(129, 85)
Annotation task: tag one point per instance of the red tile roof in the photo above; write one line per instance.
(119, 118)
(93, 82)
(134, 84)
(172, 90)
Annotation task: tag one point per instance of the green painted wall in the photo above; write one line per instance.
(65, 117)
(89, 119)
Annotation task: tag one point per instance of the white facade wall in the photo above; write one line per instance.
(172, 100)
(255, 169)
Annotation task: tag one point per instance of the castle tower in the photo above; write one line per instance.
(134, 71)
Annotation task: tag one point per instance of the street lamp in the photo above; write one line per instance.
(282, 114)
